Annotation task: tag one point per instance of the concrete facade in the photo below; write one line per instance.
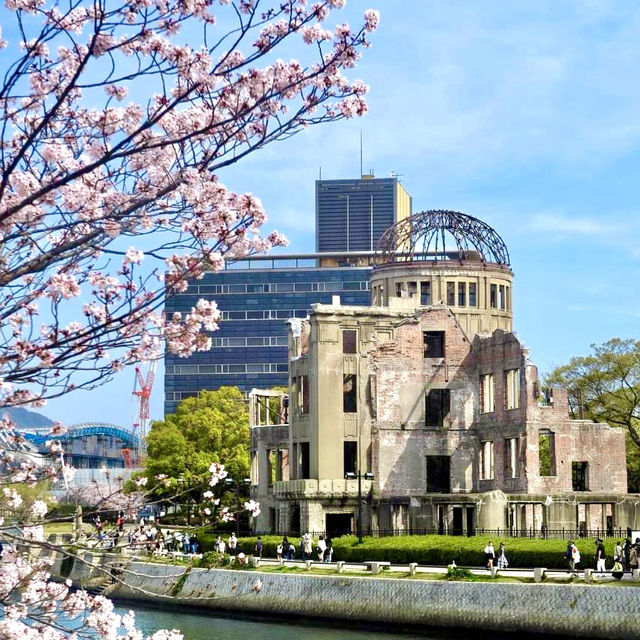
(428, 406)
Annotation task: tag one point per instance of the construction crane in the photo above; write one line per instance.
(142, 390)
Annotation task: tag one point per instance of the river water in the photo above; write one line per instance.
(202, 626)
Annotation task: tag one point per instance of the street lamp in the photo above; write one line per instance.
(352, 476)
(231, 482)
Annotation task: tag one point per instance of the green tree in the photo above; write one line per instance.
(605, 386)
(212, 427)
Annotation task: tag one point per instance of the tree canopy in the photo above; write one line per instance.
(605, 386)
(212, 427)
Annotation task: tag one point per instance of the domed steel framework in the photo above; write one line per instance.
(442, 235)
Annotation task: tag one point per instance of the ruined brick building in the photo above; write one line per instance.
(429, 402)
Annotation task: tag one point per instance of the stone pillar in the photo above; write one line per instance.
(492, 510)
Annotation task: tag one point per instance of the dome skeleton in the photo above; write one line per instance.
(423, 236)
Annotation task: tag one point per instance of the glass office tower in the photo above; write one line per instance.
(351, 215)
(257, 296)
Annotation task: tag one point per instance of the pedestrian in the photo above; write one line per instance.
(600, 556)
(626, 552)
(489, 555)
(257, 551)
(328, 552)
(233, 544)
(575, 558)
(220, 546)
(617, 552)
(307, 546)
(633, 557)
(194, 544)
(502, 562)
(186, 543)
(279, 549)
(322, 545)
(617, 572)
(292, 551)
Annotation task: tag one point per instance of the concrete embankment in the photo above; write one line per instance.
(587, 611)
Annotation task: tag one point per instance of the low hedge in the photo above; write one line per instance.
(438, 550)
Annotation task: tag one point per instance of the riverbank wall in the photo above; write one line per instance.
(585, 611)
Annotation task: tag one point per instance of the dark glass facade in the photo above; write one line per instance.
(256, 297)
(351, 215)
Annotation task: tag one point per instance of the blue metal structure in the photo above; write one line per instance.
(90, 444)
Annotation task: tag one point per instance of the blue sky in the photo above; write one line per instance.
(526, 115)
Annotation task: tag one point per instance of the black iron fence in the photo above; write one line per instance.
(544, 533)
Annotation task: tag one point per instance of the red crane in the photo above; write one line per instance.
(142, 390)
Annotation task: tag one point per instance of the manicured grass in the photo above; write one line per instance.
(63, 527)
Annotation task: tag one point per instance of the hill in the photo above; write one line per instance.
(26, 419)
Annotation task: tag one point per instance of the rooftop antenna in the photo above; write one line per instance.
(320, 172)
(361, 153)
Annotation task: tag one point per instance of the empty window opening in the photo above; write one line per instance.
(580, 476)
(282, 473)
(349, 393)
(255, 466)
(547, 453)
(304, 460)
(462, 294)
(438, 405)
(487, 391)
(486, 460)
(349, 341)
(425, 293)
(511, 457)
(400, 290)
(433, 344)
(303, 394)
(493, 296)
(273, 465)
(508, 298)
(438, 474)
(501, 297)
(412, 289)
(472, 294)
(451, 293)
(512, 389)
(350, 456)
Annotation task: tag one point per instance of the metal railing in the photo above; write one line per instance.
(543, 534)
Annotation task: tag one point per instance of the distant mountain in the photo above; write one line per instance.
(26, 419)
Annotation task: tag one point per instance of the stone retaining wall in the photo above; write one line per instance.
(587, 611)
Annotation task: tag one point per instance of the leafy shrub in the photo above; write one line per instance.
(439, 550)
(458, 573)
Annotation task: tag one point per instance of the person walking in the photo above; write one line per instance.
(281, 548)
(575, 558)
(626, 552)
(233, 544)
(257, 551)
(600, 556)
(322, 545)
(633, 557)
(617, 552)
(502, 562)
(489, 555)
(328, 552)
(307, 546)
